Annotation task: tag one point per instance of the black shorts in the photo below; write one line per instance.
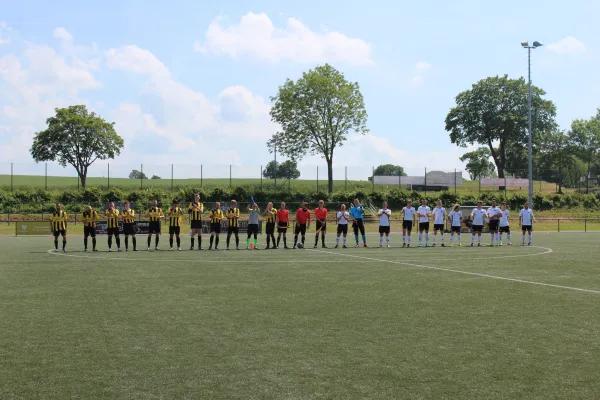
(154, 227)
(384, 229)
(407, 225)
(300, 229)
(438, 227)
(196, 224)
(527, 228)
(215, 227)
(252, 229)
(89, 231)
(342, 229)
(129, 229)
(321, 226)
(424, 226)
(493, 225)
(112, 231)
(456, 229)
(477, 228)
(282, 227)
(174, 230)
(270, 228)
(62, 232)
(505, 229)
(357, 225)
(233, 229)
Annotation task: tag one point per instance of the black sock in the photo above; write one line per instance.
(156, 239)
(134, 242)
(295, 239)
(126, 242)
(317, 239)
(85, 242)
(192, 242)
(228, 239)
(94, 243)
(323, 239)
(212, 239)
(273, 239)
(171, 241)
(284, 241)
(269, 241)
(237, 240)
(178, 242)
(109, 242)
(56, 244)
(199, 241)
(303, 238)
(118, 240)
(64, 243)
(217, 241)
(278, 240)
(149, 241)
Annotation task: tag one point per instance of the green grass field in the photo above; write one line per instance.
(430, 323)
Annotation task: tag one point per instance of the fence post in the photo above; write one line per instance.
(317, 179)
(425, 181)
(480, 184)
(201, 175)
(261, 187)
(141, 176)
(559, 224)
(11, 177)
(505, 186)
(373, 179)
(455, 182)
(109, 175)
(172, 178)
(346, 178)
(399, 182)
(229, 176)
(46, 176)
(585, 224)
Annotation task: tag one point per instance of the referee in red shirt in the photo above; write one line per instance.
(302, 222)
(321, 216)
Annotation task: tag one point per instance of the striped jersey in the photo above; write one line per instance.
(233, 215)
(59, 221)
(175, 216)
(216, 215)
(195, 211)
(155, 213)
(128, 216)
(112, 218)
(270, 215)
(89, 218)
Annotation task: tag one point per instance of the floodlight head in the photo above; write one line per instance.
(525, 43)
(537, 44)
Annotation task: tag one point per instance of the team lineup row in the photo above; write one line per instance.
(497, 218)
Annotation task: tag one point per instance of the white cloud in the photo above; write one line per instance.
(5, 26)
(567, 45)
(135, 59)
(4, 41)
(420, 68)
(256, 36)
(62, 34)
(423, 65)
(417, 80)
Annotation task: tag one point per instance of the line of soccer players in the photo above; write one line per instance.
(497, 222)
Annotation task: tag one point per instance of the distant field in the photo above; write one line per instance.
(65, 182)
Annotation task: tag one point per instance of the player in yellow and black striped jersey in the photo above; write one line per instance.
(112, 226)
(156, 215)
(195, 210)
(175, 221)
(128, 217)
(58, 222)
(90, 217)
(233, 216)
(270, 217)
(216, 216)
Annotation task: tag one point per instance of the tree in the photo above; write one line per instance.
(585, 135)
(557, 156)
(287, 169)
(155, 177)
(389, 170)
(478, 163)
(78, 138)
(135, 174)
(316, 113)
(494, 114)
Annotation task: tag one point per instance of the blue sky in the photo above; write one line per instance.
(189, 82)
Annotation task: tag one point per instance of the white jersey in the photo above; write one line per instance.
(504, 218)
(342, 217)
(478, 216)
(409, 213)
(456, 217)
(439, 215)
(384, 217)
(493, 211)
(424, 212)
(526, 216)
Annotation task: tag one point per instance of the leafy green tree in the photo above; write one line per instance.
(155, 177)
(585, 136)
(270, 170)
(316, 113)
(557, 159)
(287, 169)
(389, 170)
(493, 113)
(478, 163)
(76, 137)
(135, 174)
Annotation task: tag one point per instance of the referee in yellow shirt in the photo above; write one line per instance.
(58, 222)
(90, 217)
(112, 226)
(216, 216)
(128, 216)
(175, 219)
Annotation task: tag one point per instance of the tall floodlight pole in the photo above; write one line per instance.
(530, 151)
(275, 178)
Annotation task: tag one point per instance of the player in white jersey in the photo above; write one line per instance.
(439, 218)
(493, 214)
(384, 215)
(408, 221)
(526, 221)
(504, 226)
(342, 218)
(477, 216)
(424, 213)
(455, 218)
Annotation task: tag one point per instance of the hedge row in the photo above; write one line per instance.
(36, 200)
